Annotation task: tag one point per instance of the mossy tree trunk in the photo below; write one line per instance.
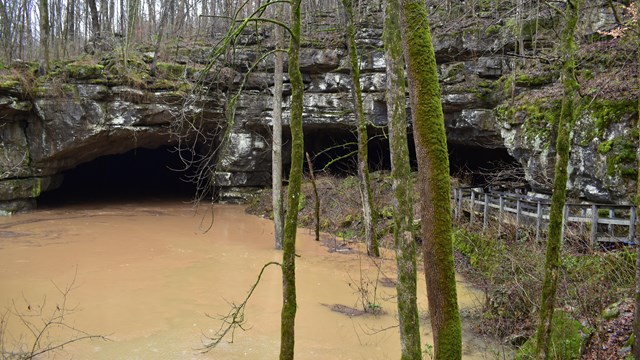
(433, 171)
(289, 307)
(636, 322)
(401, 174)
(558, 199)
(276, 149)
(368, 211)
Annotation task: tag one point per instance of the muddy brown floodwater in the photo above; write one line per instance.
(146, 275)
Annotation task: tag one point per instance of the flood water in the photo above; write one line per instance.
(146, 274)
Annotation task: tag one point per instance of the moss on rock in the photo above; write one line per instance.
(84, 71)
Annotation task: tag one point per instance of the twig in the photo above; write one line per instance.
(235, 318)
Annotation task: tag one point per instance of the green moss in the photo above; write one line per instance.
(533, 80)
(453, 71)
(83, 70)
(537, 118)
(302, 202)
(611, 312)
(486, 91)
(568, 339)
(605, 147)
(170, 70)
(620, 157)
(433, 167)
(607, 112)
(9, 84)
(36, 189)
(493, 30)
(484, 253)
(386, 212)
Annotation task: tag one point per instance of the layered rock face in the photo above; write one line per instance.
(489, 100)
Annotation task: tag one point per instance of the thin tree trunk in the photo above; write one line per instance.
(636, 322)
(69, 30)
(316, 198)
(204, 20)
(95, 21)
(289, 306)
(44, 34)
(111, 22)
(368, 212)
(276, 150)
(7, 41)
(556, 214)
(131, 24)
(163, 21)
(401, 174)
(104, 14)
(433, 170)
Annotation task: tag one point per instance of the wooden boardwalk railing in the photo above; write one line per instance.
(605, 222)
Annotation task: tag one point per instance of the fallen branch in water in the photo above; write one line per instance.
(235, 318)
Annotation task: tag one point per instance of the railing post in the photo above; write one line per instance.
(485, 219)
(455, 203)
(472, 207)
(632, 225)
(612, 214)
(565, 218)
(594, 224)
(539, 221)
(518, 211)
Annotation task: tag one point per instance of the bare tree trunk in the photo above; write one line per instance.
(132, 19)
(563, 149)
(163, 21)
(104, 14)
(69, 30)
(44, 34)
(289, 306)
(316, 198)
(276, 150)
(636, 322)
(401, 174)
(433, 170)
(7, 41)
(95, 21)
(111, 22)
(368, 212)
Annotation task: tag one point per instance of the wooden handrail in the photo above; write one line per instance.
(524, 206)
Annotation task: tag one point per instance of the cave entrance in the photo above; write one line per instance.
(487, 167)
(137, 175)
(335, 150)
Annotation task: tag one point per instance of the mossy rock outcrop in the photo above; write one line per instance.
(84, 71)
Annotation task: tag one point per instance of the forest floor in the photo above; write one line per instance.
(506, 264)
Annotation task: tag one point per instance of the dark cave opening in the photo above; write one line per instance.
(335, 151)
(139, 174)
(479, 166)
(475, 165)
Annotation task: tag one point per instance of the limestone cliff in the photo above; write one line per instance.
(495, 95)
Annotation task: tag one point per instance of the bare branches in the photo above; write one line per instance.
(206, 143)
(234, 319)
(45, 327)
